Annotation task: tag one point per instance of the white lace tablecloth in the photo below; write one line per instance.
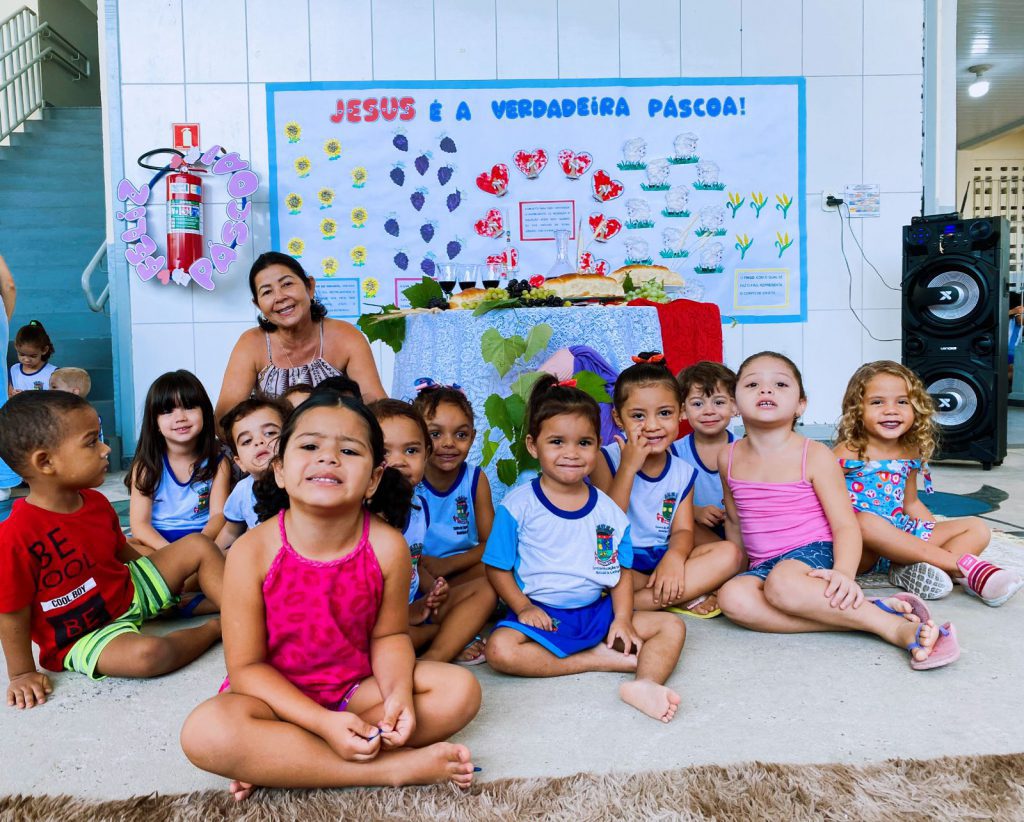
(446, 347)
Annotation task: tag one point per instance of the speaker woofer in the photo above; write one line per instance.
(971, 302)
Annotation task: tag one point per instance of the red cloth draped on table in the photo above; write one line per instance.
(690, 332)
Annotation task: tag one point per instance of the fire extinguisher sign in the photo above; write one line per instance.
(186, 135)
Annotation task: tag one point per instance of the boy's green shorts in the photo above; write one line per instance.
(150, 598)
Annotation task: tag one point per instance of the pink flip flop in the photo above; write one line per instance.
(479, 659)
(945, 650)
(917, 605)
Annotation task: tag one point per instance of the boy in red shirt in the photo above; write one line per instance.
(69, 581)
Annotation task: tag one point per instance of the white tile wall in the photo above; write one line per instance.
(862, 59)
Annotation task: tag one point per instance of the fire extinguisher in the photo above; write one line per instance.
(184, 209)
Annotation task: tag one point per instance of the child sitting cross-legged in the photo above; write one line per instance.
(69, 581)
(251, 430)
(324, 689)
(655, 489)
(444, 620)
(559, 555)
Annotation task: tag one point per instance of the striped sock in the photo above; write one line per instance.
(985, 579)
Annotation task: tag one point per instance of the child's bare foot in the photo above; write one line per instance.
(925, 635)
(608, 659)
(647, 696)
(706, 605)
(240, 790)
(440, 762)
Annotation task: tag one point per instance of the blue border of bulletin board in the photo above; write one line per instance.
(342, 284)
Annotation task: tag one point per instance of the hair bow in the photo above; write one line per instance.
(648, 357)
(567, 383)
(427, 384)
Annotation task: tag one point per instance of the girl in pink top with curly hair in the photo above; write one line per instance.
(324, 687)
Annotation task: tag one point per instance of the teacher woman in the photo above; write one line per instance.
(295, 341)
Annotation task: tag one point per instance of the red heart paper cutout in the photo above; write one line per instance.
(574, 164)
(494, 181)
(589, 265)
(604, 228)
(605, 188)
(492, 224)
(509, 258)
(531, 163)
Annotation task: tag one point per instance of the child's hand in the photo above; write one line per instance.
(635, 448)
(438, 595)
(709, 515)
(843, 592)
(350, 737)
(398, 722)
(536, 618)
(622, 629)
(668, 579)
(28, 690)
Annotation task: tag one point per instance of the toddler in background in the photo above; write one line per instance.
(251, 430)
(297, 394)
(559, 555)
(73, 380)
(69, 580)
(655, 489)
(886, 436)
(445, 620)
(458, 495)
(786, 502)
(33, 369)
(178, 481)
(709, 403)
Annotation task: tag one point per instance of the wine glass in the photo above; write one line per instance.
(447, 277)
(496, 275)
(467, 276)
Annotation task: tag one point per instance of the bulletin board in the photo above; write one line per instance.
(374, 185)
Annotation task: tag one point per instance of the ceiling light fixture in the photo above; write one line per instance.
(979, 88)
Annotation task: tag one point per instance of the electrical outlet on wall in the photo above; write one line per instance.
(826, 194)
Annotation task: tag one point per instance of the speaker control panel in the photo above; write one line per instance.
(947, 236)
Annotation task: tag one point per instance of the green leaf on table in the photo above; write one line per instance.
(592, 384)
(537, 340)
(419, 295)
(389, 330)
(490, 305)
(497, 415)
(627, 284)
(516, 407)
(499, 351)
(523, 384)
(508, 472)
(488, 449)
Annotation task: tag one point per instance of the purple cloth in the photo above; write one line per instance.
(585, 358)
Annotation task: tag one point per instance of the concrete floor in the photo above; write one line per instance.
(746, 696)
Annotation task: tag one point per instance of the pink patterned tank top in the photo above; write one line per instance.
(320, 616)
(776, 517)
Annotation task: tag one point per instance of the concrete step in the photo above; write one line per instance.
(57, 214)
(64, 158)
(18, 180)
(70, 138)
(71, 113)
(31, 197)
(62, 124)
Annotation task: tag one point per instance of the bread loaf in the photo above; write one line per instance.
(642, 273)
(584, 285)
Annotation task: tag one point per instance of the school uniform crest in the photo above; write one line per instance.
(203, 505)
(668, 507)
(461, 516)
(605, 553)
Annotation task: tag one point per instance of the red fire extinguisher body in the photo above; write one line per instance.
(184, 219)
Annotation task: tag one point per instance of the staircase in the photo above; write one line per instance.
(52, 220)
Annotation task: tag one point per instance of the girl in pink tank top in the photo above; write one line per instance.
(324, 689)
(786, 505)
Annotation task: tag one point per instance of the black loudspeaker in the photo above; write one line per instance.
(955, 328)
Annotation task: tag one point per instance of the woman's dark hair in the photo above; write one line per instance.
(649, 368)
(393, 497)
(244, 409)
(387, 409)
(549, 399)
(35, 334)
(175, 389)
(430, 397)
(317, 310)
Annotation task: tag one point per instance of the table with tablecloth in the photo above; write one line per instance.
(446, 347)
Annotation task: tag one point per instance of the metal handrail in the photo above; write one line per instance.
(98, 303)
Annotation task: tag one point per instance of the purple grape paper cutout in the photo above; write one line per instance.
(422, 163)
(453, 249)
(398, 175)
(401, 142)
(444, 174)
(402, 260)
(448, 145)
(427, 232)
(427, 266)
(453, 200)
(418, 198)
(391, 226)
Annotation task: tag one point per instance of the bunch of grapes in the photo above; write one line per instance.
(543, 298)
(651, 290)
(438, 302)
(495, 294)
(517, 288)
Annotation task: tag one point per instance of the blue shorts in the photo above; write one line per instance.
(576, 629)
(816, 555)
(645, 560)
(881, 566)
(174, 534)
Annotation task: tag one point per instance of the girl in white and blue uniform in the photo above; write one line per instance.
(241, 504)
(707, 486)
(415, 534)
(655, 489)
(559, 554)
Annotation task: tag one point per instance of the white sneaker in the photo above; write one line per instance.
(920, 578)
(5, 494)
